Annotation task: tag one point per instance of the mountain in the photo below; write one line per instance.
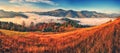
(10, 14)
(99, 39)
(74, 14)
(114, 15)
(60, 13)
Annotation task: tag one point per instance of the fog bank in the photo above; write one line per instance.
(48, 19)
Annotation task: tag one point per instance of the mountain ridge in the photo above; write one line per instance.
(10, 14)
(61, 13)
(75, 14)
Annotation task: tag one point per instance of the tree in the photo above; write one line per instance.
(23, 24)
(32, 28)
(31, 24)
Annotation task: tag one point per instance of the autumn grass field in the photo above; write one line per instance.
(99, 39)
(12, 33)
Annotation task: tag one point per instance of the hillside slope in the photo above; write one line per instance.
(10, 14)
(99, 39)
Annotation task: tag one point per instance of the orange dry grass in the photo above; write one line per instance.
(99, 39)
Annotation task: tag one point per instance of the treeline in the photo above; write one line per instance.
(12, 26)
(43, 27)
(17, 27)
(53, 27)
(59, 27)
(74, 23)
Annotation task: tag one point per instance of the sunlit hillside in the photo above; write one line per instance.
(59, 26)
(12, 33)
(99, 39)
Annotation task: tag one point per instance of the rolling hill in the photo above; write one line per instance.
(75, 14)
(99, 39)
(10, 14)
(60, 13)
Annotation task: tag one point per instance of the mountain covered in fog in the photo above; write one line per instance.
(60, 13)
(75, 14)
(114, 15)
(10, 14)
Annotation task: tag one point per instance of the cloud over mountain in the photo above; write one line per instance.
(34, 1)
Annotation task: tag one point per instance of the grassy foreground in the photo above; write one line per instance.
(99, 39)
(12, 33)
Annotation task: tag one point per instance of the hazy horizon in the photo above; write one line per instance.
(105, 6)
(47, 19)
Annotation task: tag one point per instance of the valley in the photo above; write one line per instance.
(59, 26)
(51, 32)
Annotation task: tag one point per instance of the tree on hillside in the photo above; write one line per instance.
(32, 26)
(23, 24)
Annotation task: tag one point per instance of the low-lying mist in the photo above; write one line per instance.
(32, 18)
(48, 19)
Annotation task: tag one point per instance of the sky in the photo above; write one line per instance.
(105, 6)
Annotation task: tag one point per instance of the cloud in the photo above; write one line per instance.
(15, 1)
(34, 1)
(22, 8)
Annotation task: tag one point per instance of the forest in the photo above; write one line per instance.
(43, 27)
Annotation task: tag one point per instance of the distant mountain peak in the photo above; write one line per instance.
(59, 10)
(71, 10)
